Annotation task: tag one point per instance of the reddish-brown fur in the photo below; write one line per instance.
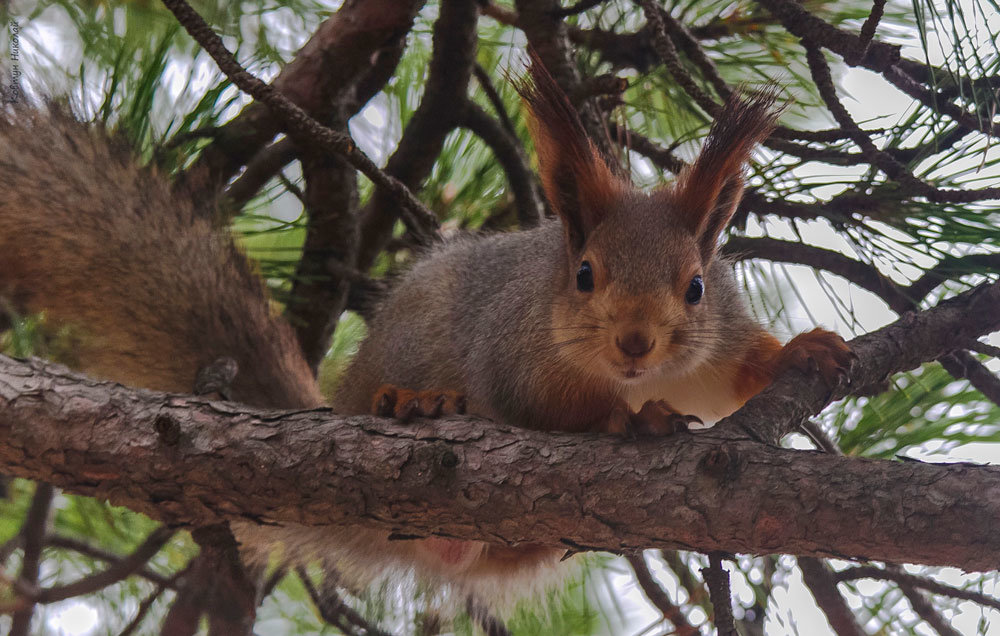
(155, 294)
(501, 320)
(577, 182)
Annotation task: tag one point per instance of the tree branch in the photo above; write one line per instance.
(823, 586)
(656, 595)
(300, 124)
(510, 155)
(334, 610)
(345, 46)
(118, 570)
(318, 296)
(445, 94)
(93, 552)
(717, 580)
(905, 344)
(709, 491)
(33, 539)
(857, 272)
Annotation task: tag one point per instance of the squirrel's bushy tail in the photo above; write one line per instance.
(149, 291)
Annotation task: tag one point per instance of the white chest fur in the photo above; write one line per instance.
(707, 395)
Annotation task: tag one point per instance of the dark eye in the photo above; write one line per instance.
(695, 291)
(585, 277)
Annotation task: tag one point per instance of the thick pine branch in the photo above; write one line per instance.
(191, 461)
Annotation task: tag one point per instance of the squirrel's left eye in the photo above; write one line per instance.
(695, 291)
(585, 277)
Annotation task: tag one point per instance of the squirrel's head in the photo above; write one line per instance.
(635, 298)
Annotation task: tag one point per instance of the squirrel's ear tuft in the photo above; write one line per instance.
(707, 194)
(578, 184)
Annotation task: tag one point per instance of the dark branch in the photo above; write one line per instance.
(861, 274)
(117, 571)
(820, 581)
(717, 580)
(33, 539)
(306, 130)
(93, 552)
(318, 296)
(511, 157)
(445, 95)
(656, 595)
(346, 48)
(921, 582)
(903, 345)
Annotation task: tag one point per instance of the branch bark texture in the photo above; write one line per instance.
(191, 461)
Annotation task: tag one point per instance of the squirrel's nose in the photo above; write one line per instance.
(635, 344)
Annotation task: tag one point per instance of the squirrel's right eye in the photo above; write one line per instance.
(695, 291)
(585, 277)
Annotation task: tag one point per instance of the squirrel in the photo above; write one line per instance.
(616, 316)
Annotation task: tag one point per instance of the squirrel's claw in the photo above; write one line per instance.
(404, 404)
(657, 417)
(818, 351)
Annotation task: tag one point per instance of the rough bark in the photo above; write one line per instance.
(191, 461)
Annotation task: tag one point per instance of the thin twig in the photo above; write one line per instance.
(938, 102)
(419, 220)
(509, 154)
(335, 611)
(820, 581)
(93, 552)
(861, 274)
(579, 7)
(880, 57)
(819, 437)
(486, 83)
(868, 32)
(448, 76)
(116, 572)
(33, 532)
(265, 164)
(921, 582)
(668, 54)
(984, 348)
(884, 161)
(717, 580)
(147, 603)
(658, 597)
(961, 364)
(692, 48)
(927, 611)
(662, 157)
(949, 268)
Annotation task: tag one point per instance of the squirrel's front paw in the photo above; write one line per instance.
(657, 417)
(404, 404)
(818, 351)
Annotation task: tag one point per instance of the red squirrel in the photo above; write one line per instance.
(616, 316)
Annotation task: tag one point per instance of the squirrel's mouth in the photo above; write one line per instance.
(632, 372)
